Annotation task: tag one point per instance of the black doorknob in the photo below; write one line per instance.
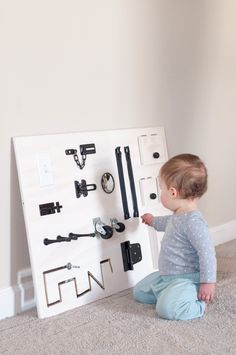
(156, 155)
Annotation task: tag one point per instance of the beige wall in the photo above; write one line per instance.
(211, 129)
(91, 65)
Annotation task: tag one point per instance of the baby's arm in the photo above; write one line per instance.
(199, 237)
(158, 223)
(148, 219)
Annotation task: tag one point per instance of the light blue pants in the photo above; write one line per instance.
(175, 296)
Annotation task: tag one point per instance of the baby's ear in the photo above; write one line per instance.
(173, 192)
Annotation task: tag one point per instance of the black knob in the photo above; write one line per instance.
(156, 155)
(153, 196)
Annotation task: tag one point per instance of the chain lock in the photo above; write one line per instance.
(76, 159)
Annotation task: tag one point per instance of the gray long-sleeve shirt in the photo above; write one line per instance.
(186, 246)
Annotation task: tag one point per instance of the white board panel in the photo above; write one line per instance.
(72, 273)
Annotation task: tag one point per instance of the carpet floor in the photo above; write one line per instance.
(118, 325)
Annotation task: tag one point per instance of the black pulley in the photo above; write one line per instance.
(121, 227)
(109, 232)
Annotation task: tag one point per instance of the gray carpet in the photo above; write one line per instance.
(118, 325)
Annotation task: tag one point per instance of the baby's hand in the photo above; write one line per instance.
(206, 292)
(148, 219)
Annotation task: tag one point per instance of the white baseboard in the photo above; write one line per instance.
(18, 298)
(224, 233)
(7, 301)
(13, 300)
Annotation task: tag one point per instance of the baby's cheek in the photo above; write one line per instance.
(163, 200)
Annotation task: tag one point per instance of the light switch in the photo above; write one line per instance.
(149, 191)
(151, 148)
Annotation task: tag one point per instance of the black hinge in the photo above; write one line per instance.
(131, 254)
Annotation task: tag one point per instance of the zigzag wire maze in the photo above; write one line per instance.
(73, 279)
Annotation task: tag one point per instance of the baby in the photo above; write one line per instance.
(186, 279)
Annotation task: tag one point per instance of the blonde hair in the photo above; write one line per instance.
(187, 173)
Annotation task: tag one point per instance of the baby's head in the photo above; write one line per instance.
(187, 174)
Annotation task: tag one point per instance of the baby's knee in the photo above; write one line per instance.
(179, 307)
(165, 308)
(143, 297)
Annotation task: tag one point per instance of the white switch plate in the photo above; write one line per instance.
(149, 186)
(44, 170)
